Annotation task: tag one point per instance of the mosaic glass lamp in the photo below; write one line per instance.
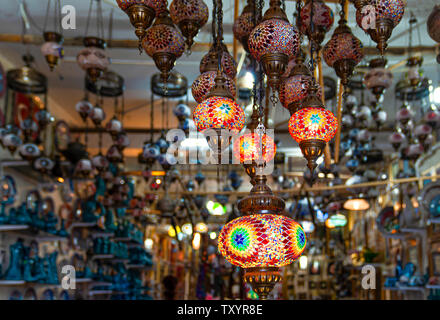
(253, 147)
(343, 52)
(206, 81)
(387, 13)
(294, 88)
(323, 19)
(244, 24)
(141, 14)
(164, 43)
(189, 16)
(274, 42)
(218, 112)
(312, 127)
(229, 65)
(262, 240)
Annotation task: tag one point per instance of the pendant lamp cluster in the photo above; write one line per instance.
(218, 111)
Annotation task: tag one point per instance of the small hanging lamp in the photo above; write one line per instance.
(190, 16)
(205, 82)
(164, 43)
(378, 78)
(294, 88)
(343, 51)
(52, 48)
(312, 127)
(322, 21)
(244, 24)
(142, 14)
(388, 14)
(274, 42)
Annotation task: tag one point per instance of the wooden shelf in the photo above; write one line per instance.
(12, 282)
(11, 227)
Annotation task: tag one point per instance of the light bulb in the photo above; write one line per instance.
(303, 262)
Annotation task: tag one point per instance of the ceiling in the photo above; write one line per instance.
(66, 83)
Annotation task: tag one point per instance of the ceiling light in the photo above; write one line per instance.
(356, 204)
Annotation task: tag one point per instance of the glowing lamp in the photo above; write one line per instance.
(205, 82)
(312, 128)
(201, 227)
(196, 241)
(251, 147)
(336, 221)
(187, 229)
(261, 244)
(215, 208)
(358, 204)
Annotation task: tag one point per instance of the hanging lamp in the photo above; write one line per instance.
(93, 58)
(274, 42)
(312, 127)
(433, 25)
(343, 51)
(205, 82)
(263, 239)
(317, 27)
(190, 16)
(164, 43)
(388, 14)
(52, 48)
(244, 24)
(142, 14)
(378, 78)
(219, 112)
(294, 88)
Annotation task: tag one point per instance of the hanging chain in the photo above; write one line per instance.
(151, 118)
(47, 14)
(214, 22)
(220, 33)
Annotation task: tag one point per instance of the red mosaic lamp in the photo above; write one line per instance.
(343, 51)
(312, 127)
(433, 25)
(294, 88)
(274, 42)
(205, 82)
(189, 16)
(218, 112)
(387, 15)
(244, 24)
(142, 14)
(229, 65)
(164, 43)
(323, 19)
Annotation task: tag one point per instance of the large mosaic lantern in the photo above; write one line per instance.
(206, 81)
(93, 58)
(274, 42)
(142, 14)
(388, 14)
(433, 25)
(323, 19)
(218, 112)
(52, 48)
(294, 89)
(343, 52)
(189, 16)
(262, 240)
(229, 65)
(164, 43)
(244, 24)
(378, 78)
(312, 127)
